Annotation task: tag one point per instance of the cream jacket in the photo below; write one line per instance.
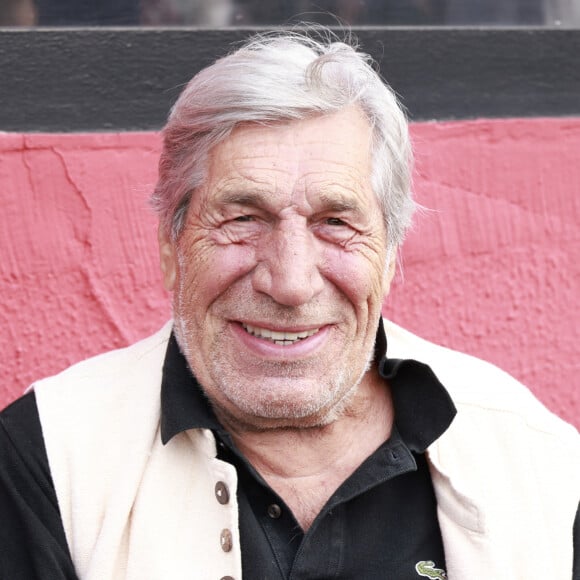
(506, 473)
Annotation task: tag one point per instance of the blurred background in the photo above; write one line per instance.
(226, 13)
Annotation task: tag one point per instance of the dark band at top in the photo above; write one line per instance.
(60, 80)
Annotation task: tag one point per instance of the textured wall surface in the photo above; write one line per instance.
(491, 267)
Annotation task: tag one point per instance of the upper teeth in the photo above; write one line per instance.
(284, 338)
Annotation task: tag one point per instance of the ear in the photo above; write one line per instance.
(389, 270)
(167, 258)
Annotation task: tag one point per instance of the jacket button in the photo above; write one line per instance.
(226, 541)
(222, 492)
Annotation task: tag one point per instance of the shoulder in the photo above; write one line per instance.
(127, 365)
(466, 377)
(478, 387)
(89, 408)
(104, 398)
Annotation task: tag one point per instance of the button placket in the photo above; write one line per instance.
(225, 482)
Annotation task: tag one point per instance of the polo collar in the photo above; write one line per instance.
(423, 408)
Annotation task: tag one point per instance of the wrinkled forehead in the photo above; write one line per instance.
(326, 149)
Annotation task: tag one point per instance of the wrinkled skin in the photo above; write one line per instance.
(285, 235)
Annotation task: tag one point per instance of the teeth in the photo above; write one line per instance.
(281, 338)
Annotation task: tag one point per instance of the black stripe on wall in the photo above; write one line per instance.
(126, 79)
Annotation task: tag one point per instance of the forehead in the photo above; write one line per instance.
(326, 151)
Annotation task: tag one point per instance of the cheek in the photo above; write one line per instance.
(206, 271)
(358, 276)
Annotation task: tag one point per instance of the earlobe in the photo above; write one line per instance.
(167, 258)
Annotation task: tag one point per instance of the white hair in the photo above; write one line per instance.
(276, 77)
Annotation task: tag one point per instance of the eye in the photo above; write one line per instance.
(334, 221)
(335, 230)
(244, 218)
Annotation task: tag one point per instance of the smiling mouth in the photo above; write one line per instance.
(280, 338)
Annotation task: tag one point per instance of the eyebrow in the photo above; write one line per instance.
(260, 199)
(338, 203)
(249, 199)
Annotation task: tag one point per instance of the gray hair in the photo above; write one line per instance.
(276, 77)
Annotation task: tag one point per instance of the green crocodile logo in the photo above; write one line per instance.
(426, 568)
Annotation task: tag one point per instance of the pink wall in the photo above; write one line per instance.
(491, 267)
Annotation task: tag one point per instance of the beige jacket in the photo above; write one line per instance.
(506, 473)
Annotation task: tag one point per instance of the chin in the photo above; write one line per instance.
(291, 412)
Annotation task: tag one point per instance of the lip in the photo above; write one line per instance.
(273, 327)
(265, 348)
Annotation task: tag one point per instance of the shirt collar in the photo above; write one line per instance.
(183, 403)
(423, 408)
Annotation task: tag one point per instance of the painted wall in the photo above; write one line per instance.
(491, 267)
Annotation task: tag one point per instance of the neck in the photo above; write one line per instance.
(305, 466)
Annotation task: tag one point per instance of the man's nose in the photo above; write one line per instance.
(288, 265)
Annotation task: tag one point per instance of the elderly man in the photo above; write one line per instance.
(268, 432)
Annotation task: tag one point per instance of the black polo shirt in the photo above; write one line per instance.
(380, 523)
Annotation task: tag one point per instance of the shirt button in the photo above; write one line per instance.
(227, 578)
(274, 511)
(222, 493)
(226, 541)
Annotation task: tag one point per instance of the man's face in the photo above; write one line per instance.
(280, 272)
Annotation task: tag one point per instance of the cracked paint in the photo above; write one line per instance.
(490, 267)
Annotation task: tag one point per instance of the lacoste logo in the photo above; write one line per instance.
(426, 569)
